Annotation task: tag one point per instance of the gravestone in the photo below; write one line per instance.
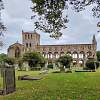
(26, 66)
(8, 75)
(46, 65)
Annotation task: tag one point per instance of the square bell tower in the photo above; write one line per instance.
(30, 40)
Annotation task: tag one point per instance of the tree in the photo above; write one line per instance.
(92, 64)
(2, 57)
(34, 59)
(50, 17)
(65, 61)
(9, 60)
(5, 59)
(98, 56)
(2, 27)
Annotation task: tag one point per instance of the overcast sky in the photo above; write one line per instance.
(16, 17)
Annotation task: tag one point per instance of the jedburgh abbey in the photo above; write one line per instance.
(31, 42)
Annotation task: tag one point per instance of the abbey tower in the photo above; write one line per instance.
(30, 40)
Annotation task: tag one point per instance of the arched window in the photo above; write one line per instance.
(56, 55)
(81, 63)
(74, 62)
(30, 45)
(50, 55)
(28, 36)
(75, 55)
(17, 52)
(81, 55)
(27, 45)
(31, 36)
(89, 54)
(44, 54)
(25, 36)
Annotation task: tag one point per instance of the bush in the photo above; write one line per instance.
(2, 57)
(9, 61)
(34, 59)
(50, 65)
(90, 64)
(65, 60)
(98, 55)
(5, 59)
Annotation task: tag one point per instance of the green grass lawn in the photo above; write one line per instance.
(57, 86)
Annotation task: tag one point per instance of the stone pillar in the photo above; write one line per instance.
(54, 67)
(16, 66)
(78, 65)
(85, 59)
(84, 62)
(46, 55)
(95, 65)
(46, 64)
(71, 65)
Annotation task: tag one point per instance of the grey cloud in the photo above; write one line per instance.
(16, 16)
(18, 8)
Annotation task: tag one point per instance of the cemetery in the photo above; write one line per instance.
(64, 65)
(56, 85)
(34, 77)
(48, 84)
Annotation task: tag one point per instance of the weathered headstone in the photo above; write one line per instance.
(46, 64)
(9, 80)
(26, 66)
(8, 75)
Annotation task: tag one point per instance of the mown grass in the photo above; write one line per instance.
(57, 86)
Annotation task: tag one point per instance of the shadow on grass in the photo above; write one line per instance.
(68, 71)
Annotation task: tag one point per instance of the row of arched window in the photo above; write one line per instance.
(28, 36)
(74, 54)
(28, 45)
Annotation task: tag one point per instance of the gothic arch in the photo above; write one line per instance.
(44, 54)
(56, 55)
(89, 54)
(81, 63)
(25, 36)
(61, 53)
(17, 52)
(81, 54)
(50, 55)
(75, 54)
(74, 62)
